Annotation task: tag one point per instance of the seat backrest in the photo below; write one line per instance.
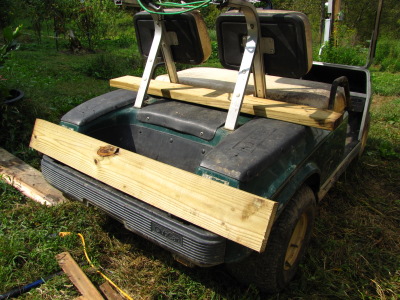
(187, 35)
(285, 41)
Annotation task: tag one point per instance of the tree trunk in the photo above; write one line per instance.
(74, 44)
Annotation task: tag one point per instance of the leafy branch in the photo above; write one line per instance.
(11, 44)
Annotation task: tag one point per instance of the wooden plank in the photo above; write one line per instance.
(77, 277)
(27, 180)
(237, 215)
(109, 292)
(298, 91)
(294, 113)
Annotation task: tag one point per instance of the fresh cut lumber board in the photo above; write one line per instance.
(27, 180)
(294, 113)
(237, 215)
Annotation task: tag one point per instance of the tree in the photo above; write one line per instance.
(37, 12)
(5, 15)
(93, 19)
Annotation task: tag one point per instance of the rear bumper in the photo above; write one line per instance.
(192, 243)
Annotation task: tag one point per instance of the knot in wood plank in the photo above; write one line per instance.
(108, 150)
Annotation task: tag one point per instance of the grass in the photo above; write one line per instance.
(355, 250)
(387, 55)
(386, 84)
(386, 132)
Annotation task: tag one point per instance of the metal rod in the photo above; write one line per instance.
(159, 40)
(25, 288)
(371, 56)
(375, 34)
(150, 63)
(252, 59)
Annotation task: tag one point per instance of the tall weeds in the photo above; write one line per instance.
(388, 55)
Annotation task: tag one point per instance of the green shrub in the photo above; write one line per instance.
(390, 64)
(10, 43)
(346, 55)
(125, 41)
(210, 14)
(107, 66)
(387, 55)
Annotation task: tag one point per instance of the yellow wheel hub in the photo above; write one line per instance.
(296, 242)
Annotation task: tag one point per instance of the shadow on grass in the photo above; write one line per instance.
(161, 277)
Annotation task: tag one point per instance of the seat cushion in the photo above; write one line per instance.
(297, 91)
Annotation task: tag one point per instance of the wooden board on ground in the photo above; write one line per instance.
(27, 180)
(232, 213)
(294, 113)
(109, 292)
(78, 277)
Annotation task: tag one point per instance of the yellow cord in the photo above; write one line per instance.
(63, 234)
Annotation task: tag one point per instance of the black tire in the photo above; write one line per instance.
(273, 269)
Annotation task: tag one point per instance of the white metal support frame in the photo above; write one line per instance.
(252, 60)
(159, 40)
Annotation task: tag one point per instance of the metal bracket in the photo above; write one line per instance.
(160, 40)
(267, 44)
(344, 83)
(252, 61)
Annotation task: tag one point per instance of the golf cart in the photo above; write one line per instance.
(218, 166)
